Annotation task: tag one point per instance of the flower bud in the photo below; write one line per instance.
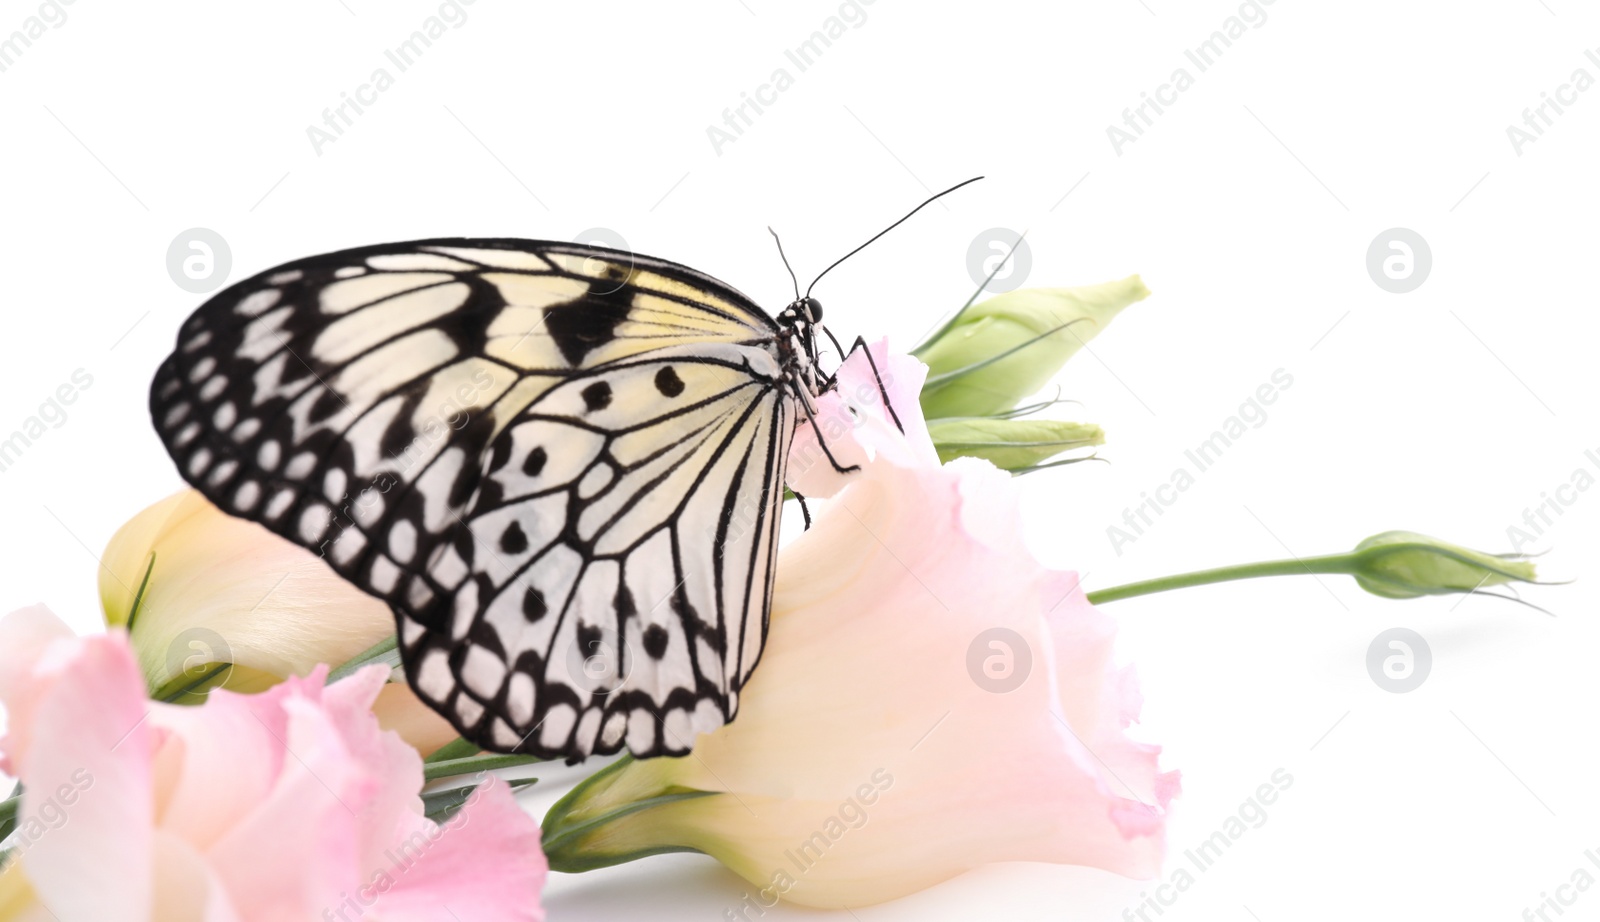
(1010, 444)
(1406, 565)
(998, 351)
(212, 601)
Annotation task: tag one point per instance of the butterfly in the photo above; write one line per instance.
(562, 466)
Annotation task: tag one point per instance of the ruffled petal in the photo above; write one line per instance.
(26, 637)
(248, 808)
(484, 864)
(86, 784)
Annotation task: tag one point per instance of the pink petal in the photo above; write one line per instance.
(221, 761)
(25, 636)
(395, 805)
(235, 739)
(484, 864)
(86, 801)
(296, 850)
(855, 425)
(248, 808)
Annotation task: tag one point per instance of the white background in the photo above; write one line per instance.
(1248, 207)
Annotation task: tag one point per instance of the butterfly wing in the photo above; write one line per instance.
(616, 594)
(560, 465)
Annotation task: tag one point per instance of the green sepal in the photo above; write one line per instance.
(441, 806)
(566, 828)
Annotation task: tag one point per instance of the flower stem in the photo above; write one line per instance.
(449, 768)
(457, 748)
(384, 651)
(1328, 563)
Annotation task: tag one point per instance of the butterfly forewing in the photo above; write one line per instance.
(561, 466)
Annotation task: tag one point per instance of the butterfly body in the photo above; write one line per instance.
(562, 466)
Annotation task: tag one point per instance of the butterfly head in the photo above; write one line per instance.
(798, 325)
(805, 311)
(799, 322)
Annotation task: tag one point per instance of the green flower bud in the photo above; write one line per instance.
(1010, 444)
(623, 812)
(992, 354)
(1405, 565)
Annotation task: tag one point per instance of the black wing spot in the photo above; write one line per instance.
(668, 382)
(655, 641)
(472, 438)
(579, 328)
(624, 602)
(592, 647)
(687, 615)
(534, 463)
(482, 635)
(399, 435)
(466, 548)
(514, 540)
(533, 605)
(597, 396)
(326, 404)
(499, 454)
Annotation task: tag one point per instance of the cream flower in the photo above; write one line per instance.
(931, 698)
(228, 603)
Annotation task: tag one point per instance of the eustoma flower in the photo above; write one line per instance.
(931, 697)
(290, 804)
(223, 602)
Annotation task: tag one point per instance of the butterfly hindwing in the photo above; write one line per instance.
(620, 598)
(545, 457)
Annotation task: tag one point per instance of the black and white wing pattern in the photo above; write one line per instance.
(561, 466)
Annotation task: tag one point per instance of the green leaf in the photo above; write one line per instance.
(1011, 444)
(138, 597)
(440, 806)
(489, 761)
(386, 651)
(457, 748)
(185, 688)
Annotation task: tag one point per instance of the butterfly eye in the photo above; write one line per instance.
(815, 308)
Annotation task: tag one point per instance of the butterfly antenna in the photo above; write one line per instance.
(891, 227)
(785, 261)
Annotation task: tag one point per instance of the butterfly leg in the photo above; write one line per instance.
(861, 343)
(834, 378)
(805, 511)
(811, 417)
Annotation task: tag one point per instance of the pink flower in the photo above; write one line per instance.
(931, 698)
(286, 805)
(224, 602)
